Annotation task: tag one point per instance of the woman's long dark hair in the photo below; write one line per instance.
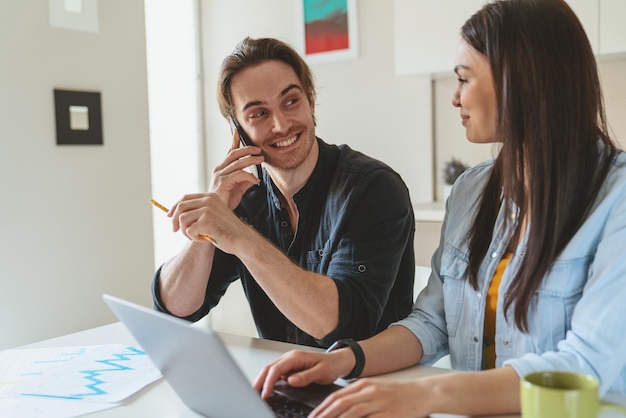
(551, 122)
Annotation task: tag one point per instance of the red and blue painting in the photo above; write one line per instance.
(326, 26)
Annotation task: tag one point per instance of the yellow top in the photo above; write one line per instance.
(489, 347)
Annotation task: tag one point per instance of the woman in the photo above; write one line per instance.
(529, 274)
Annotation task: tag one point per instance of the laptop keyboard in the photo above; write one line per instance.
(284, 407)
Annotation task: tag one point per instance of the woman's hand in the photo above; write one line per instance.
(490, 392)
(375, 397)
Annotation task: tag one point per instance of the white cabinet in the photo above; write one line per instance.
(612, 32)
(427, 32)
(587, 12)
(603, 21)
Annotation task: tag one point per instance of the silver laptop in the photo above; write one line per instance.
(202, 372)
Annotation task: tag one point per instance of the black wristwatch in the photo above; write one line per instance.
(358, 355)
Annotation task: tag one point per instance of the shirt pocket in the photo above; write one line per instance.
(454, 274)
(314, 259)
(556, 299)
(318, 258)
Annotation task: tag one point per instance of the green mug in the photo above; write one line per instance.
(555, 394)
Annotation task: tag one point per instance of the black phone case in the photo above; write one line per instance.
(245, 140)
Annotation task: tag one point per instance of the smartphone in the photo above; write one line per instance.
(245, 141)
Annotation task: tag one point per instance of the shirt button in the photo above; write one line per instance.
(505, 342)
(361, 268)
(320, 252)
(479, 296)
(475, 339)
(513, 215)
(494, 254)
(284, 224)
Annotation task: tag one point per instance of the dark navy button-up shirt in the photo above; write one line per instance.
(355, 225)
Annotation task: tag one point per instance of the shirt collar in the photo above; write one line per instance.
(321, 176)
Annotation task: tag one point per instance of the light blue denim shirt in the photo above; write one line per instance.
(577, 319)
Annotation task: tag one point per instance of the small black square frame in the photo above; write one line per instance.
(91, 133)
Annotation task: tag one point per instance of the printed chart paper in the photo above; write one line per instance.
(86, 374)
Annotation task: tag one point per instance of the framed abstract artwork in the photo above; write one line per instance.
(328, 29)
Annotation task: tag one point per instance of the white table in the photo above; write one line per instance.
(159, 399)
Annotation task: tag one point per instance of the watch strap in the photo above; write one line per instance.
(358, 355)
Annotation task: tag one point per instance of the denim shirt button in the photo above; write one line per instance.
(284, 224)
(475, 339)
(320, 252)
(361, 268)
(494, 254)
(505, 342)
(479, 296)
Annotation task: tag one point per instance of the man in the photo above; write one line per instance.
(323, 243)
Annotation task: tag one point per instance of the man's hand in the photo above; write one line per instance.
(205, 214)
(299, 368)
(230, 180)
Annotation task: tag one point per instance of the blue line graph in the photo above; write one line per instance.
(106, 373)
(92, 375)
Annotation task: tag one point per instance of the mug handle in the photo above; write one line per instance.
(606, 406)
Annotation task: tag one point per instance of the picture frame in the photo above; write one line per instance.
(327, 30)
(78, 117)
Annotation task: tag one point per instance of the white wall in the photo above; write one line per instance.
(74, 220)
(360, 102)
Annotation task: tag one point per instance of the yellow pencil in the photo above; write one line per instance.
(158, 205)
(166, 210)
